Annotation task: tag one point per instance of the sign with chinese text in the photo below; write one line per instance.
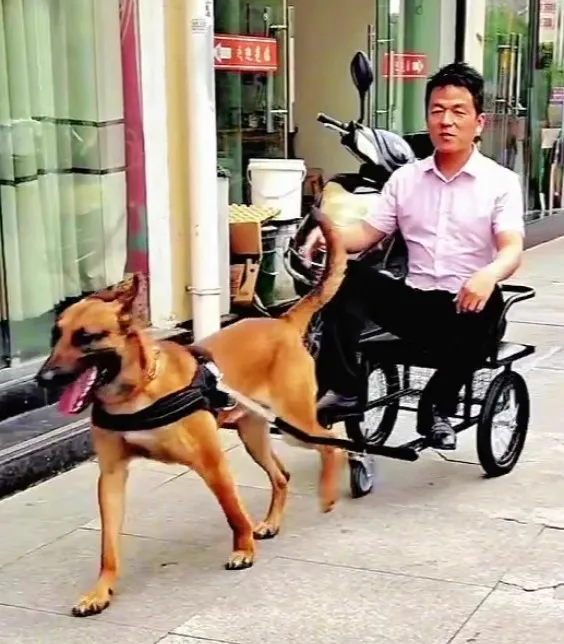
(245, 53)
(406, 65)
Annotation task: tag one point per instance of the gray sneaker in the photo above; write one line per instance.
(442, 434)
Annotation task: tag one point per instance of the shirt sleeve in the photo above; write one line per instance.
(384, 217)
(509, 213)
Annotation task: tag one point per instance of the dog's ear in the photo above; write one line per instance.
(125, 293)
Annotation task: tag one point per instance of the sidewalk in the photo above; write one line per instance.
(436, 555)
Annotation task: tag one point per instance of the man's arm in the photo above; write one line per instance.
(365, 233)
(368, 232)
(509, 232)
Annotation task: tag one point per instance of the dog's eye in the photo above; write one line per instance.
(55, 335)
(82, 337)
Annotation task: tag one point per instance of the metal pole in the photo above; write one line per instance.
(202, 169)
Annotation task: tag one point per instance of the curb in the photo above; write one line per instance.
(44, 456)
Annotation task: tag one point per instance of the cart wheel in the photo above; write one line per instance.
(379, 422)
(362, 469)
(375, 428)
(503, 424)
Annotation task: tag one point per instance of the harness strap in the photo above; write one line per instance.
(201, 393)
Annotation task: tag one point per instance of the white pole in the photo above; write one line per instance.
(202, 169)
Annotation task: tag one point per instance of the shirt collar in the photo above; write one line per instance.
(472, 166)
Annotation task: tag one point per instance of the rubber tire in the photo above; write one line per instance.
(362, 469)
(391, 411)
(490, 464)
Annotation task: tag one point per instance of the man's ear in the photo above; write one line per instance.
(125, 293)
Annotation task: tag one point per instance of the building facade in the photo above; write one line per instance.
(97, 156)
(72, 173)
(517, 44)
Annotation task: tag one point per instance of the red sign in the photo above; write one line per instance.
(245, 53)
(406, 66)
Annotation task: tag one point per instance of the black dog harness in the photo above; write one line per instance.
(201, 394)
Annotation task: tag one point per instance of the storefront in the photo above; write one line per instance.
(72, 166)
(519, 47)
(517, 44)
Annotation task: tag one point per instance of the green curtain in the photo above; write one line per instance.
(62, 174)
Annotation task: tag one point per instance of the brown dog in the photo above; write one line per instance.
(101, 355)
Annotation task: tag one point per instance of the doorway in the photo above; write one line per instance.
(395, 35)
(254, 83)
(504, 69)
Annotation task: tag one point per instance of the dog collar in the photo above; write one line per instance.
(201, 394)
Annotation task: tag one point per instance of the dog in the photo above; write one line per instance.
(101, 355)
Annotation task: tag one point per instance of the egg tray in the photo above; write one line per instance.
(239, 214)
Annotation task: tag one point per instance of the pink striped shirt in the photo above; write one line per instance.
(449, 226)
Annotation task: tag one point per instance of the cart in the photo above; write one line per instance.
(495, 399)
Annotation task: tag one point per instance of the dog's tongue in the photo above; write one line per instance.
(74, 395)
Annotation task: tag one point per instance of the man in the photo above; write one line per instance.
(461, 216)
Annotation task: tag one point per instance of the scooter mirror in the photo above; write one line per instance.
(363, 77)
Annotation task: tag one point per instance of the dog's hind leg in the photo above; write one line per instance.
(204, 454)
(295, 402)
(113, 462)
(254, 433)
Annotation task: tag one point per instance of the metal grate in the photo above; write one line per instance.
(416, 378)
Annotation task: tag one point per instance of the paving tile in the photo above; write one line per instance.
(182, 639)
(515, 617)
(542, 567)
(448, 545)
(293, 601)
(526, 494)
(52, 509)
(21, 626)
(184, 510)
(162, 584)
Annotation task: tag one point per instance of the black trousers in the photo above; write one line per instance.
(426, 320)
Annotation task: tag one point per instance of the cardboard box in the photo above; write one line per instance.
(245, 238)
(244, 281)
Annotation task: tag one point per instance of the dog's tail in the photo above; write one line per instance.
(301, 313)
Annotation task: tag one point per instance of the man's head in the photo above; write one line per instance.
(454, 104)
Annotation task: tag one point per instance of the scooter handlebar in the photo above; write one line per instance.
(327, 120)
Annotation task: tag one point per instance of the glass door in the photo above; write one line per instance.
(4, 312)
(545, 176)
(403, 56)
(505, 68)
(254, 85)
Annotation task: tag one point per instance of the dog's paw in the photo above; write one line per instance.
(328, 504)
(93, 603)
(240, 560)
(265, 531)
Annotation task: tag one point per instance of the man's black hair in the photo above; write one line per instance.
(458, 75)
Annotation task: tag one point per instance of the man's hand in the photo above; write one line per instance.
(315, 241)
(356, 237)
(475, 293)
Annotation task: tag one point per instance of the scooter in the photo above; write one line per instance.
(346, 197)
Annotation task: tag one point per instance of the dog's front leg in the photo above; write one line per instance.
(111, 500)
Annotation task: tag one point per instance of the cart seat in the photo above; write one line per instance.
(387, 347)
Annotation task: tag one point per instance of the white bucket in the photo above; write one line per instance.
(277, 183)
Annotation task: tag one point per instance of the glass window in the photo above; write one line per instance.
(545, 184)
(404, 56)
(72, 197)
(250, 105)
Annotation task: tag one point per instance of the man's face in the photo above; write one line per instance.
(452, 119)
